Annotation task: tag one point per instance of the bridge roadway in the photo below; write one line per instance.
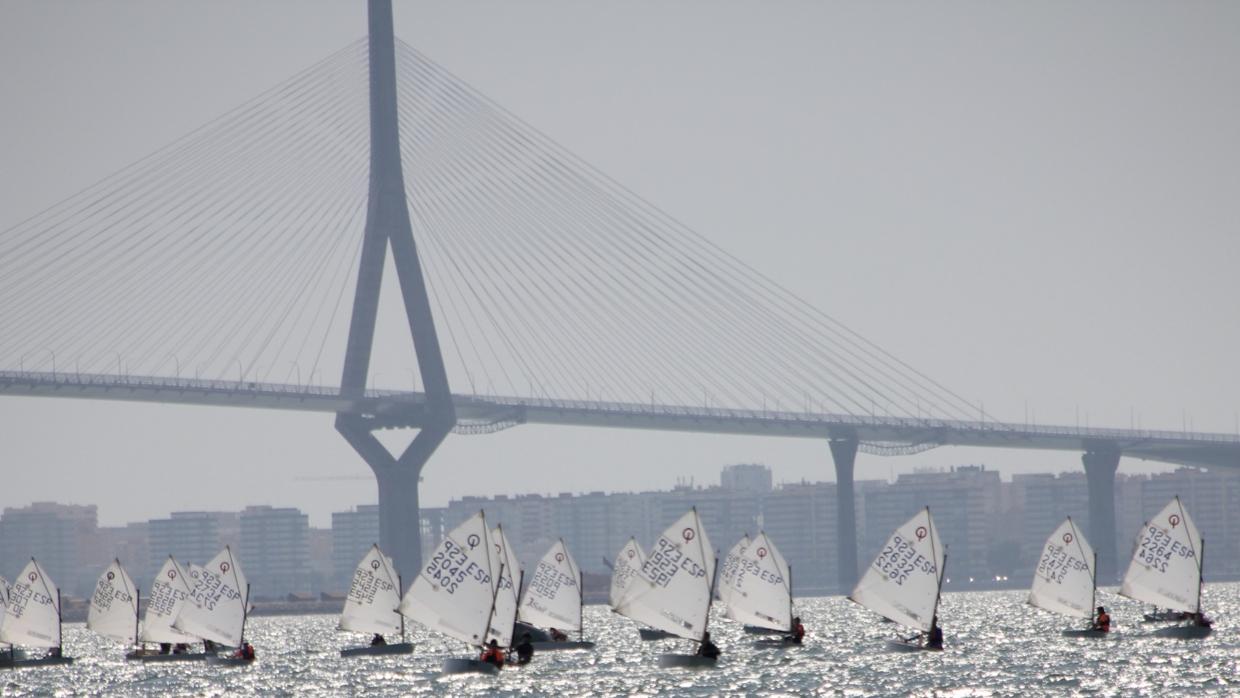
(846, 434)
(880, 435)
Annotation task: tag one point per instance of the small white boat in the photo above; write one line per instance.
(370, 606)
(169, 591)
(114, 606)
(217, 606)
(624, 570)
(1166, 569)
(32, 619)
(461, 665)
(905, 581)
(673, 590)
(553, 599)
(757, 590)
(1065, 580)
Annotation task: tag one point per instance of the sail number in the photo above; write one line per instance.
(548, 579)
(211, 589)
(751, 568)
(900, 559)
(451, 566)
(1056, 563)
(366, 585)
(1157, 547)
(666, 561)
(164, 598)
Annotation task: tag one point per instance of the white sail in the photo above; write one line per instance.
(32, 616)
(673, 590)
(4, 600)
(216, 607)
(727, 573)
(1166, 562)
(553, 596)
(504, 613)
(114, 605)
(373, 597)
(760, 588)
(903, 582)
(168, 594)
(1064, 579)
(456, 587)
(626, 568)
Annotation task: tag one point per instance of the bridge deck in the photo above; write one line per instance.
(482, 413)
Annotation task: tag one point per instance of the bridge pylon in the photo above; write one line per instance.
(844, 453)
(1101, 460)
(387, 223)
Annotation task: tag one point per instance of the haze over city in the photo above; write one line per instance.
(1034, 205)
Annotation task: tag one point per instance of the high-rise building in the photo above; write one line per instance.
(353, 532)
(275, 551)
(192, 537)
(55, 534)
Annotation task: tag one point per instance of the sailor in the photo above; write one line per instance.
(245, 651)
(934, 638)
(492, 654)
(798, 632)
(1102, 622)
(377, 641)
(556, 635)
(707, 649)
(165, 648)
(1200, 620)
(525, 650)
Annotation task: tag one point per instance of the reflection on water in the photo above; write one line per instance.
(996, 646)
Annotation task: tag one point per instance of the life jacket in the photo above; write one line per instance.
(493, 655)
(1104, 622)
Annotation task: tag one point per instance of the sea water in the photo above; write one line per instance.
(996, 645)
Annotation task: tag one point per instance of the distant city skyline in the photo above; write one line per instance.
(1050, 233)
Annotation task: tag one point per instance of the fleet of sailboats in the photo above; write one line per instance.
(905, 580)
(370, 606)
(472, 589)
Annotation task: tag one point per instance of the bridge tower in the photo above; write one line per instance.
(387, 223)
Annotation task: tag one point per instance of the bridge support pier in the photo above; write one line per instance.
(1101, 460)
(844, 453)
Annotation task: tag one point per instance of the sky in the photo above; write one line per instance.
(1036, 204)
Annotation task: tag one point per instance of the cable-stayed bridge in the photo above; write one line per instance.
(251, 254)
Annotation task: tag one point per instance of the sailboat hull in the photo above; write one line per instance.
(910, 646)
(756, 630)
(775, 643)
(552, 646)
(685, 661)
(7, 663)
(377, 650)
(216, 660)
(650, 634)
(1183, 632)
(459, 665)
(1085, 632)
(188, 657)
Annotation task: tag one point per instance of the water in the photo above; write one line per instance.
(996, 646)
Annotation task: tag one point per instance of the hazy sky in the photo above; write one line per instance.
(1036, 204)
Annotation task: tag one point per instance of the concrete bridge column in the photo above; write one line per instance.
(1101, 460)
(844, 452)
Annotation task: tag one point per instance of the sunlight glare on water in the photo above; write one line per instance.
(996, 646)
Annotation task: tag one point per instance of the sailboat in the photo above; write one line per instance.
(169, 591)
(674, 589)
(757, 591)
(454, 594)
(503, 627)
(624, 570)
(906, 579)
(1065, 581)
(371, 605)
(218, 605)
(114, 606)
(1166, 569)
(554, 598)
(7, 652)
(32, 619)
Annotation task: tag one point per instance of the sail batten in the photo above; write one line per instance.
(374, 594)
(904, 581)
(1065, 576)
(672, 591)
(114, 605)
(1166, 561)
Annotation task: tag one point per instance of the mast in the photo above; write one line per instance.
(1093, 591)
(400, 584)
(1201, 579)
(137, 607)
(60, 619)
(513, 635)
(245, 610)
(710, 598)
(791, 625)
(581, 603)
(491, 616)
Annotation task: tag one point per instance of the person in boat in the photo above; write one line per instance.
(165, 648)
(798, 632)
(377, 641)
(245, 651)
(492, 654)
(707, 648)
(934, 638)
(55, 652)
(557, 635)
(524, 650)
(1102, 622)
(1199, 619)
(180, 648)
